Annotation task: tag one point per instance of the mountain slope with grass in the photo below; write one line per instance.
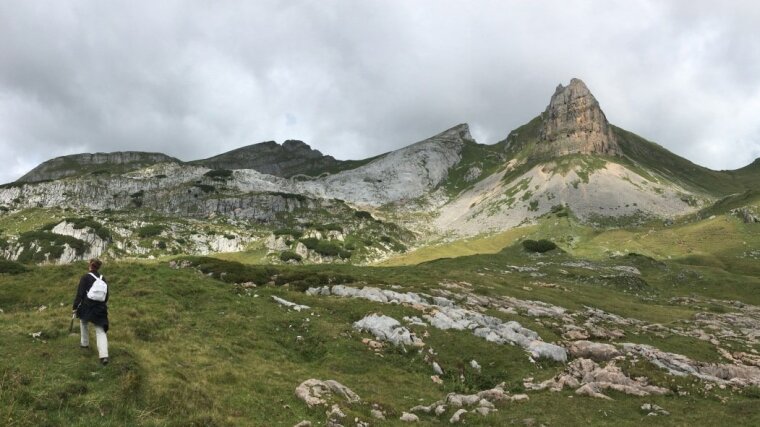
(569, 160)
(203, 341)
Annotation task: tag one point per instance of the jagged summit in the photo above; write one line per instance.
(574, 123)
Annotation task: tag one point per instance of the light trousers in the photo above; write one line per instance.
(100, 337)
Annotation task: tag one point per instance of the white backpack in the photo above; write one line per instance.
(98, 290)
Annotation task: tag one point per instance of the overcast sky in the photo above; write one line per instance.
(358, 78)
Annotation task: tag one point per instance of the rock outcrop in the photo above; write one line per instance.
(315, 392)
(386, 328)
(444, 314)
(574, 123)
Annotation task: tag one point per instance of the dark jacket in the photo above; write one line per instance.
(87, 309)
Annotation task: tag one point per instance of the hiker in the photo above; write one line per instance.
(90, 306)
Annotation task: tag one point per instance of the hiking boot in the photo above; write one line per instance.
(84, 347)
(104, 361)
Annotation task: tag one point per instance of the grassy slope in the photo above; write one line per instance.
(188, 349)
(662, 161)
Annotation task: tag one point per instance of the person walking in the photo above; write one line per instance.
(90, 306)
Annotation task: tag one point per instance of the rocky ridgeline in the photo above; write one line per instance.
(185, 190)
(61, 167)
(291, 158)
(574, 123)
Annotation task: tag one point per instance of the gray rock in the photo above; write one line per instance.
(386, 328)
(409, 418)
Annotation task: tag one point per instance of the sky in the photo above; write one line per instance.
(357, 78)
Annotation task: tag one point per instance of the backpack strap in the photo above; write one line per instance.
(93, 275)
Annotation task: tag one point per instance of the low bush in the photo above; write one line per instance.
(150, 230)
(219, 174)
(80, 223)
(310, 243)
(48, 246)
(234, 272)
(290, 255)
(363, 215)
(11, 267)
(288, 232)
(539, 246)
(205, 188)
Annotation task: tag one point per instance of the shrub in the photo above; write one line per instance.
(290, 255)
(80, 223)
(161, 245)
(48, 243)
(328, 248)
(334, 227)
(150, 230)
(219, 174)
(288, 232)
(310, 243)
(11, 267)
(363, 215)
(234, 272)
(539, 246)
(299, 197)
(205, 188)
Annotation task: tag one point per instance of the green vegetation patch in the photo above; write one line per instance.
(150, 230)
(12, 267)
(219, 174)
(288, 232)
(286, 256)
(205, 187)
(42, 245)
(80, 223)
(539, 246)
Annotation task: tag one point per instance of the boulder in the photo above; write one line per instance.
(386, 328)
(592, 350)
(313, 392)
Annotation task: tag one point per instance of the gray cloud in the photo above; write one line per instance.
(354, 79)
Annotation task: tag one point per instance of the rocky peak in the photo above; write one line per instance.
(574, 123)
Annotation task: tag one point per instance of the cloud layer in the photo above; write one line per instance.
(355, 79)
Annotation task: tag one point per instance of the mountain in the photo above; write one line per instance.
(83, 164)
(574, 123)
(286, 160)
(568, 161)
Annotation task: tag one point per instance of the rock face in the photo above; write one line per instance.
(61, 167)
(574, 123)
(97, 246)
(291, 158)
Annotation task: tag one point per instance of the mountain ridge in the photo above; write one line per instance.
(566, 160)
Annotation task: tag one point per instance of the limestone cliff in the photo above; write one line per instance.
(574, 123)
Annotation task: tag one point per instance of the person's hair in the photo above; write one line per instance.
(96, 263)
